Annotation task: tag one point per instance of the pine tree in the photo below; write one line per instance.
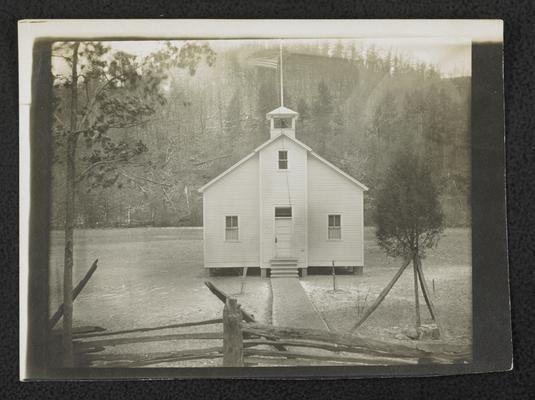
(322, 119)
(105, 93)
(338, 50)
(233, 128)
(409, 222)
(372, 59)
(408, 214)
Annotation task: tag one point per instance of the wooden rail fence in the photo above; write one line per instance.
(245, 342)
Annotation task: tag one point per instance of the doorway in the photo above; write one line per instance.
(283, 232)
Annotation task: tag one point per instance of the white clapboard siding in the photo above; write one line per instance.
(331, 193)
(283, 188)
(255, 186)
(236, 194)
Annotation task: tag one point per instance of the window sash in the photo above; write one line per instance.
(334, 220)
(283, 159)
(335, 227)
(231, 221)
(335, 233)
(231, 227)
(283, 212)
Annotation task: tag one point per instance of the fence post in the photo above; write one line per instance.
(243, 278)
(333, 273)
(232, 335)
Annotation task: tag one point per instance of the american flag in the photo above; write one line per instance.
(265, 59)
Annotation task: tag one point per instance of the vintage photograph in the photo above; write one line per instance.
(260, 203)
(216, 200)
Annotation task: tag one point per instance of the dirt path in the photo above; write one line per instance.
(292, 307)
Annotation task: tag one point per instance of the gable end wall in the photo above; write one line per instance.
(331, 193)
(236, 194)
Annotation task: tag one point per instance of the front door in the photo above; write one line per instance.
(283, 232)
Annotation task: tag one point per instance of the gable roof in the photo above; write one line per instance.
(282, 112)
(275, 138)
(344, 174)
(267, 143)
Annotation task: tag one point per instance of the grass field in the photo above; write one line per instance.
(448, 266)
(145, 276)
(154, 276)
(149, 277)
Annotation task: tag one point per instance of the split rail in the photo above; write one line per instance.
(242, 341)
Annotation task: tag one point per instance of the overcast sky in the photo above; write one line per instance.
(451, 56)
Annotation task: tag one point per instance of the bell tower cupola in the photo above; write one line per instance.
(282, 121)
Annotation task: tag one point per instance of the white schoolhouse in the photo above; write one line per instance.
(283, 208)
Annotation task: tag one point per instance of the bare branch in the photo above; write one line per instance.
(142, 188)
(59, 119)
(131, 125)
(117, 126)
(133, 178)
(97, 164)
(213, 159)
(60, 56)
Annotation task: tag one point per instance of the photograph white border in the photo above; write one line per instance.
(160, 29)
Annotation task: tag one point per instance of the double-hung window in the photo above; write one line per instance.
(283, 159)
(231, 227)
(335, 227)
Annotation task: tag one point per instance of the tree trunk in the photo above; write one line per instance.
(427, 297)
(57, 315)
(416, 294)
(106, 213)
(382, 295)
(69, 216)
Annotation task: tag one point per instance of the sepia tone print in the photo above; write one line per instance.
(256, 203)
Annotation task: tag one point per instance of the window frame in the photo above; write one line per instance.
(232, 228)
(279, 160)
(333, 227)
(277, 217)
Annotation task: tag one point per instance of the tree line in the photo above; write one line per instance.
(357, 108)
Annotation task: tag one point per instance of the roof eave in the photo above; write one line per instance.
(267, 143)
(345, 174)
(225, 172)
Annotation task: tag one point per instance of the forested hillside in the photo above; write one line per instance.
(356, 109)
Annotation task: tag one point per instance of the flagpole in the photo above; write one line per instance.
(280, 58)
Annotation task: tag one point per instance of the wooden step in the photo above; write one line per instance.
(283, 261)
(273, 273)
(284, 268)
(284, 272)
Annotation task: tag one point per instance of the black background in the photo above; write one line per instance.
(520, 121)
